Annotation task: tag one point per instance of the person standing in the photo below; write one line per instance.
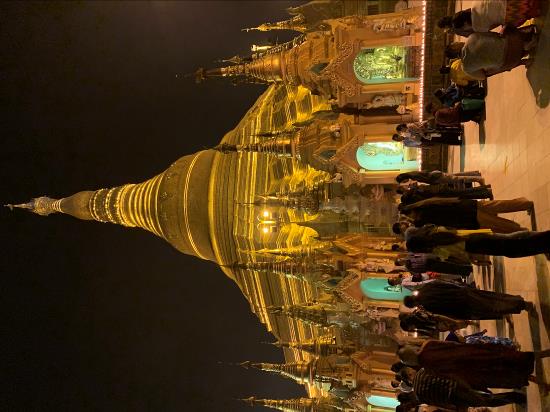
(415, 193)
(451, 393)
(449, 245)
(439, 177)
(463, 302)
(428, 262)
(429, 324)
(467, 213)
(496, 366)
(423, 134)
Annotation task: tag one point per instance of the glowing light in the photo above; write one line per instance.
(421, 85)
(265, 230)
(265, 213)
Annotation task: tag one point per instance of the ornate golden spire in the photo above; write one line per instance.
(266, 67)
(301, 372)
(296, 23)
(43, 206)
(171, 205)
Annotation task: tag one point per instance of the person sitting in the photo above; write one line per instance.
(449, 96)
(412, 281)
(456, 72)
(463, 111)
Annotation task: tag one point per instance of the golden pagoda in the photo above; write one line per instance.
(321, 88)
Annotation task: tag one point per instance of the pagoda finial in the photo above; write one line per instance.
(158, 205)
(300, 372)
(200, 75)
(252, 401)
(296, 23)
(43, 206)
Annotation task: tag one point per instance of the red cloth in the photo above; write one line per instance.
(448, 116)
(433, 275)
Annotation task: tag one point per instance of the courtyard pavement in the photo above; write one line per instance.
(512, 150)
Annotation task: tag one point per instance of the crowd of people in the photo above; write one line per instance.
(449, 223)
(484, 53)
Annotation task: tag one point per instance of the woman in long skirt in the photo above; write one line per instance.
(482, 366)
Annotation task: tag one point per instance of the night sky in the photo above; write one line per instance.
(95, 316)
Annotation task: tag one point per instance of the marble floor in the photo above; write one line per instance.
(512, 150)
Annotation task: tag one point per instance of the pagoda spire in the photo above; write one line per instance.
(265, 67)
(161, 205)
(125, 205)
(43, 206)
(296, 23)
(301, 372)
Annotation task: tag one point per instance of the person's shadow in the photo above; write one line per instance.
(538, 73)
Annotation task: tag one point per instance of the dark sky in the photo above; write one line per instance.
(97, 317)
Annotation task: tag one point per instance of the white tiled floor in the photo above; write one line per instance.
(515, 160)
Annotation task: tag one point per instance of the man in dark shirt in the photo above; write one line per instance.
(467, 213)
(437, 176)
(415, 193)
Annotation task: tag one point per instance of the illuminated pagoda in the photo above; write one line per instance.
(300, 192)
(366, 372)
